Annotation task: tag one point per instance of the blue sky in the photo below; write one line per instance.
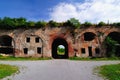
(62, 10)
(30, 9)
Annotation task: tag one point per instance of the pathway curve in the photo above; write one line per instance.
(56, 70)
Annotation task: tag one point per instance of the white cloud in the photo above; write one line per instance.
(91, 10)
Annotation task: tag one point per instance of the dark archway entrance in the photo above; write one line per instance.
(55, 44)
(116, 37)
(6, 45)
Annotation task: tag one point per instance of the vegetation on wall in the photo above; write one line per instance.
(101, 24)
(111, 45)
(73, 23)
(14, 23)
(87, 24)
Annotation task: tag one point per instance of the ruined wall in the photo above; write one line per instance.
(82, 42)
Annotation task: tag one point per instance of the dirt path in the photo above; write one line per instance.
(56, 70)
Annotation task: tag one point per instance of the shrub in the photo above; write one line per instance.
(101, 24)
(74, 23)
(87, 24)
(40, 24)
(53, 24)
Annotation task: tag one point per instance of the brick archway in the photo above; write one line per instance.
(116, 37)
(55, 44)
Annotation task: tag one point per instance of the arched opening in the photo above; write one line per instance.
(6, 45)
(89, 36)
(112, 43)
(59, 42)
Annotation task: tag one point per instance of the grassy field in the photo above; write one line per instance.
(94, 59)
(7, 70)
(21, 58)
(111, 72)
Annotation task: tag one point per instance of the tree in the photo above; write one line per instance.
(40, 24)
(30, 24)
(73, 23)
(20, 22)
(116, 24)
(53, 24)
(8, 23)
(12, 23)
(87, 24)
(101, 24)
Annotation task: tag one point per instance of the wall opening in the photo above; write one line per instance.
(89, 36)
(25, 50)
(28, 39)
(90, 51)
(39, 50)
(114, 36)
(83, 50)
(55, 44)
(6, 45)
(97, 50)
(37, 39)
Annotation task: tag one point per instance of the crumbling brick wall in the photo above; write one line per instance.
(38, 42)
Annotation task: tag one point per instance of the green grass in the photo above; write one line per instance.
(111, 72)
(21, 58)
(7, 70)
(61, 53)
(94, 59)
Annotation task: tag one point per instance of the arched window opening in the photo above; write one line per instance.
(89, 36)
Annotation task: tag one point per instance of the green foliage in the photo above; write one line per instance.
(40, 24)
(7, 70)
(61, 51)
(14, 23)
(30, 24)
(116, 24)
(111, 72)
(101, 24)
(94, 59)
(53, 23)
(112, 44)
(20, 22)
(87, 24)
(73, 23)
(12, 58)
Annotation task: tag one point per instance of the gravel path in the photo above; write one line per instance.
(56, 70)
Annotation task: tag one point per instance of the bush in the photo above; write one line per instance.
(40, 24)
(116, 24)
(101, 24)
(74, 23)
(53, 24)
(87, 24)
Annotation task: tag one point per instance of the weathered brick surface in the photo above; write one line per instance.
(74, 39)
